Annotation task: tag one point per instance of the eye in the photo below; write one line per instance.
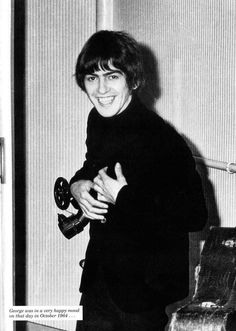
(113, 76)
(90, 78)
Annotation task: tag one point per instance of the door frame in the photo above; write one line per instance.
(6, 192)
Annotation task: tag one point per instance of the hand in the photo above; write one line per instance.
(107, 187)
(91, 207)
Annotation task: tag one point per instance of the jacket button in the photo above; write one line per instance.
(104, 220)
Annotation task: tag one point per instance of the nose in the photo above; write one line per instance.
(102, 85)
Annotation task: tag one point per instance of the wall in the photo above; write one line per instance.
(56, 114)
(194, 42)
(189, 51)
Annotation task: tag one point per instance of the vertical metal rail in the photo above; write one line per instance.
(104, 15)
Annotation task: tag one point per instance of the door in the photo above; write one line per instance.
(6, 229)
(50, 127)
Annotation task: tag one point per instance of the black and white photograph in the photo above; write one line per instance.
(118, 165)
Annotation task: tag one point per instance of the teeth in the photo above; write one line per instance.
(106, 100)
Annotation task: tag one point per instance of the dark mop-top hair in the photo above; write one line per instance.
(105, 48)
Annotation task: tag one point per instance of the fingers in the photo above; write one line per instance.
(101, 194)
(98, 184)
(102, 174)
(119, 174)
(91, 215)
(95, 203)
(101, 197)
(108, 187)
(91, 207)
(91, 211)
(118, 171)
(89, 202)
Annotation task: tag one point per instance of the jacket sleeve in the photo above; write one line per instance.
(167, 192)
(87, 170)
(83, 173)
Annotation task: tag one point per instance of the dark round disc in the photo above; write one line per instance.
(62, 193)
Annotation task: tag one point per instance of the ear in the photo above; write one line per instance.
(136, 85)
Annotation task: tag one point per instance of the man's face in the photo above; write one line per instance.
(108, 91)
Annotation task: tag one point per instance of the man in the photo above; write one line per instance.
(148, 195)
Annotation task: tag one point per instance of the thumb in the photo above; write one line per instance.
(118, 172)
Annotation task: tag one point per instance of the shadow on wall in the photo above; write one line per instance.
(213, 217)
(196, 238)
(149, 95)
(151, 92)
(209, 192)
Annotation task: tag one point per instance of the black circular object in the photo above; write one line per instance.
(74, 203)
(62, 193)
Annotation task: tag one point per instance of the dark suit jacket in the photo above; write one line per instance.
(143, 247)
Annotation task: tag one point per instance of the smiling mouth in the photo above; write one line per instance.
(105, 101)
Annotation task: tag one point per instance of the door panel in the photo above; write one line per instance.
(55, 127)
